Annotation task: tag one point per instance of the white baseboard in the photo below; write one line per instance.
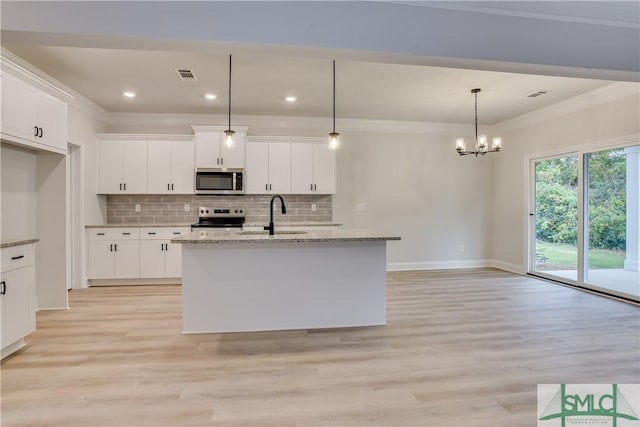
(133, 282)
(447, 265)
(438, 265)
(507, 266)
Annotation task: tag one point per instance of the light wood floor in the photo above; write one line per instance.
(462, 348)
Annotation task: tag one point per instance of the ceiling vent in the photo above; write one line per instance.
(186, 75)
(536, 94)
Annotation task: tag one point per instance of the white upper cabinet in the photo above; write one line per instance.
(170, 167)
(32, 117)
(268, 168)
(301, 168)
(212, 152)
(313, 168)
(122, 166)
(324, 169)
(257, 173)
(280, 167)
(145, 164)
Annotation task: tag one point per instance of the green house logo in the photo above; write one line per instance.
(589, 404)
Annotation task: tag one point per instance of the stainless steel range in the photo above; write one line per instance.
(219, 218)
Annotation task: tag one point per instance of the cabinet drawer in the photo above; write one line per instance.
(16, 257)
(162, 233)
(125, 233)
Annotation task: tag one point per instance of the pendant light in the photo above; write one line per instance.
(334, 137)
(481, 141)
(229, 140)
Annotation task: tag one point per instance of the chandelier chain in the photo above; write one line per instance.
(476, 94)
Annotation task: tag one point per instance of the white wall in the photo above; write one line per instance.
(82, 131)
(19, 199)
(91, 208)
(615, 119)
(417, 187)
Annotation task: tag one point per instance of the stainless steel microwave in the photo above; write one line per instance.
(219, 181)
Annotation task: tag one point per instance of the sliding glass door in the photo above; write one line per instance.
(555, 246)
(585, 220)
(611, 193)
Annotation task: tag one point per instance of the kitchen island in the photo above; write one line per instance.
(250, 281)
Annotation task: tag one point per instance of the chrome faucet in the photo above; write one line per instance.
(271, 226)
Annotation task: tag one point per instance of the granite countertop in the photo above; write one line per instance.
(336, 235)
(128, 225)
(7, 243)
(295, 224)
(248, 224)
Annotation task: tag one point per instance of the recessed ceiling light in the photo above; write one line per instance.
(129, 94)
(291, 98)
(210, 96)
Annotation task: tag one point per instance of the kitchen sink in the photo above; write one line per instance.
(265, 232)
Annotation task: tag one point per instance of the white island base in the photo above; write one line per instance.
(242, 287)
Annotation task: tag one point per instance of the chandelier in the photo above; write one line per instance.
(481, 141)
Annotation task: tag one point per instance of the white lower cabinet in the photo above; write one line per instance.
(135, 253)
(114, 253)
(158, 256)
(17, 297)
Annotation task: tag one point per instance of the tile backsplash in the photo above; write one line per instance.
(159, 209)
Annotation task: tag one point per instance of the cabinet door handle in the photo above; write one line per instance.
(162, 246)
(13, 258)
(126, 234)
(151, 232)
(166, 246)
(168, 186)
(115, 247)
(222, 160)
(176, 233)
(41, 133)
(270, 188)
(311, 187)
(171, 187)
(120, 186)
(266, 186)
(217, 160)
(100, 234)
(125, 186)
(35, 131)
(3, 288)
(111, 247)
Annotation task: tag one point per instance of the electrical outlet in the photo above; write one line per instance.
(361, 207)
(137, 207)
(461, 248)
(187, 207)
(313, 207)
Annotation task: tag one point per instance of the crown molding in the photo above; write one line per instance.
(26, 72)
(287, 122)
(218, 128)
(29, 74)
(603, 95)
(106, 136)
(276, 138)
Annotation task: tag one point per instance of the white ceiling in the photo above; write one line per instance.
(101, 68)
(365, 90)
